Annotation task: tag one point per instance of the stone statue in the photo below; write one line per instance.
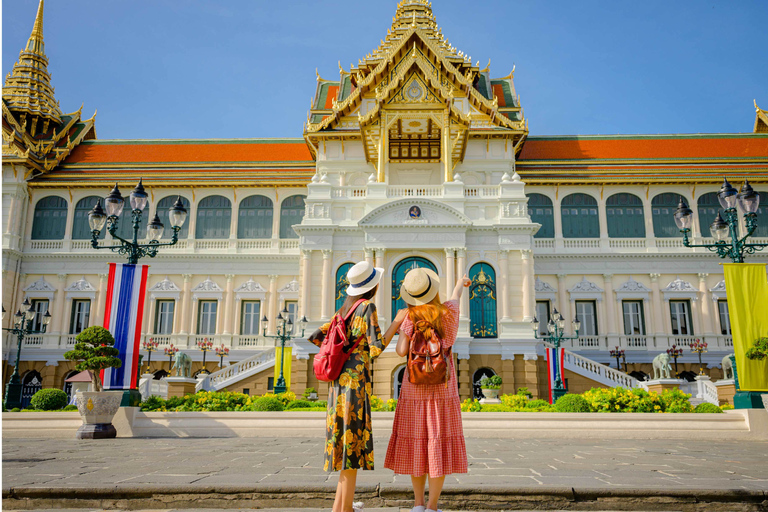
(182, 363)
(661, 367)
(727, 367)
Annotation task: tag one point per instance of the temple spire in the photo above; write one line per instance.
(28, 90)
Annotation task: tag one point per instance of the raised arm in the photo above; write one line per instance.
(395, 326)
(459, 288)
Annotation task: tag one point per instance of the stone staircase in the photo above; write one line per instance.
(599, 372)
(220, 379)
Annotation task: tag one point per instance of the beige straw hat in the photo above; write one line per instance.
(420, 286)
(363, 277)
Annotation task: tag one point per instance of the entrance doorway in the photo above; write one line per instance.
(478, 376)
(398, 384)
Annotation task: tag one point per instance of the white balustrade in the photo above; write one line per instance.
(626, 243)
(70, 340)
(683, 341)
(543, 243)
(598, 372)
(491, 191)
(348, 192)
(208, 245)
(415, 191)
(45, 245)
(217, 378)
(589, 341)
(669, 243)
(633, 341)
(33, 340)
(261, 244)
(581, 243)
(288, 245)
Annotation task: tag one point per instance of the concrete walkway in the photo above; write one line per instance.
(287, 472)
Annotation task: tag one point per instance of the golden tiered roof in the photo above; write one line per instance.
(761, 119)
(36, 133)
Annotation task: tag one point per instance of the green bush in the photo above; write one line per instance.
(49, 400)
(623, 400)
(470, 405)
(538, 405)
(298, 404)
(707, 407)
(308, 391)
(726, 407)
(493, 382)
(518, 401)
(759, 349)
(71, 407)
(676, 401)
(267, 403)
(377, 404)
(524, 392)
(152, 403)
(15, 409)
(572, 403)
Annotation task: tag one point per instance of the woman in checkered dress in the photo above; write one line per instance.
(427, 438)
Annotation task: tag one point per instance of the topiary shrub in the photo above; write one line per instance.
(95, 351)
(297, 404)
(519, 401)
(15, 409)
(676, 401)
(492, 382)
(707, 407)
(70, 407)
(267, 403)
(572, 403)
(49, 400)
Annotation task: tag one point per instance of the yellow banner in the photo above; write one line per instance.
(747, 288)
(286, 365)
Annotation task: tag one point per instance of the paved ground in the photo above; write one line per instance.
(649, 464)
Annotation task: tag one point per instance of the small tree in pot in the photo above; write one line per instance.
(95, 351)
(490, 387)
(758, 352)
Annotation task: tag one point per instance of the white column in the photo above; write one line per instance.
(562, 296)
(228, 304)
(305, 285)
(658, 317)
(149, 316)
(58, 309)
(610, 303)
(558, 221)
(327, 293)
(369, 255)
(707, 322)
(504, 293)
(272, 315)
(461, 264)
(101, 301)
(383, 306)
(184, 306)
(529, 295)
(276, 217)
(450, 270)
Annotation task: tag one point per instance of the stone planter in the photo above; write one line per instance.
(97, 410)
(313, 396)
(491, 396)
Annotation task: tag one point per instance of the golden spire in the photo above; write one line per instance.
(413, 13)
(28, 87)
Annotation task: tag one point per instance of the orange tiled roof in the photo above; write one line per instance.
(112, 152)
(644, 147)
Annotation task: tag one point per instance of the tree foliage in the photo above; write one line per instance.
(95, 351)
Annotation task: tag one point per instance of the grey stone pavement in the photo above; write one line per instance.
(587, 464)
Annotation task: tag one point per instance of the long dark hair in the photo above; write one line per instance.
(351, 299)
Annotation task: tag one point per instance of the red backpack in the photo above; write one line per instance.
(330, 360)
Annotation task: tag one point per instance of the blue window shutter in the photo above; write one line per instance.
(163, 207)
(213, 218)
(398, 274)
(624, 213)
(50, 218)
(291, 213)
(482, 301)
(541, 211)
(580, 217)
(255, 217)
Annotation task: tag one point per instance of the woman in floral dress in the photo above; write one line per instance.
(349, 440)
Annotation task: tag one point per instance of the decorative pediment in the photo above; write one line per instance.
(250, 286)
(631, 289)
(290, 291)
(207, 286)
(586, 290)
(41, 285)
(81, 285)
(679, 289)
(718, 292)
(414, 213)
(166, 285)
(413, 91)
(544, 291)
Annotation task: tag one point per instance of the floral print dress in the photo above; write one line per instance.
(348, 437)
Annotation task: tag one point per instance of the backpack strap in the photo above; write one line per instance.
(348, 316)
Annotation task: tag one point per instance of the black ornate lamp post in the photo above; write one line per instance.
(22, 328)
(150, 346)
(170, 351)
(284, 333)
(556, 328)
(221, 352)
(114, 203)
(699, 347)
(726, 231)
(618, 354)
(675, 352)
(205, 346)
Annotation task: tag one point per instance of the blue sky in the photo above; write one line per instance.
(240, 69)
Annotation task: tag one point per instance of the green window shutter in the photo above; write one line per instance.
(163, 208)
(214, 214)
(625, 216)
(341, 284)
(50, 218)
(663, 208)
(580, 216)
(255, 217)
(708, 207)
(81, 229)
(125, 223)
(291, 213)
(398, 274)
(542, 212)
(482, 301)
(762, 217)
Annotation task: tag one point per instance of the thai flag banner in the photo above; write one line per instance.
(555, 367)
(123, 315)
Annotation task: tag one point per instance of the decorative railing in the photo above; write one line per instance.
(348, 192)
(626, 243)
(207, 245)
(415, 191)
(599, 372)
(220, 376)
(683, 341)
(589, 341)
(634, 341)
(482, 191)
(289, 244)
(543, 243)
(669, 243)
(70, 340)
(45, 245)
(265, 243)
(33, 340)
(581, 243)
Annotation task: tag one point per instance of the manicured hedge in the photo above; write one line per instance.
(49, 400)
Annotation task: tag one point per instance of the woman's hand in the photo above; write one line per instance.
(465, 281)
(462, 283)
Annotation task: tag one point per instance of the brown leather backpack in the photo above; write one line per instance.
(427, 361)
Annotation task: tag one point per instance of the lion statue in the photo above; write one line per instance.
(661, 367)
(182, 363)
(727, 367)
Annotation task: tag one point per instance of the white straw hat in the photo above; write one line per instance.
(363, 277)
(419, 287)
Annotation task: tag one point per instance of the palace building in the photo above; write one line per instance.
(416, 156)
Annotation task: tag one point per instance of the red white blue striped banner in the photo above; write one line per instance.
(123, 315)
(555, 367)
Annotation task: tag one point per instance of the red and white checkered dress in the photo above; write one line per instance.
(427, 437)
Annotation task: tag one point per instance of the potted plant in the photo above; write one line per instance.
(310, 394)
(757, 352)
(490, 387)
(94, 350)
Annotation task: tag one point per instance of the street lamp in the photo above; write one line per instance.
(284, 331)
(205, 345)
(675, 352)
(726, 231)
(618, 354)
(699, 347)
(22, 328)
(114, 203)
(150, 346)
(555, 327)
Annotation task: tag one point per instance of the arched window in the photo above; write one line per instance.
(541, 211)
(663, 208)
(68, 385)
(477, 377)
(214, 215)
(50, 218)
(81, 229)
(291, 212)
(254, 219)
(341, 284)
(30, 384)
(398, 274)
(624, 213)
(482, 301)
(762, 216)
(708, 206)
(164, 207)
(397, 383)
(125, 222)
(580, 219)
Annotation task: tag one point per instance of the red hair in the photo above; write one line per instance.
(431, 313)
